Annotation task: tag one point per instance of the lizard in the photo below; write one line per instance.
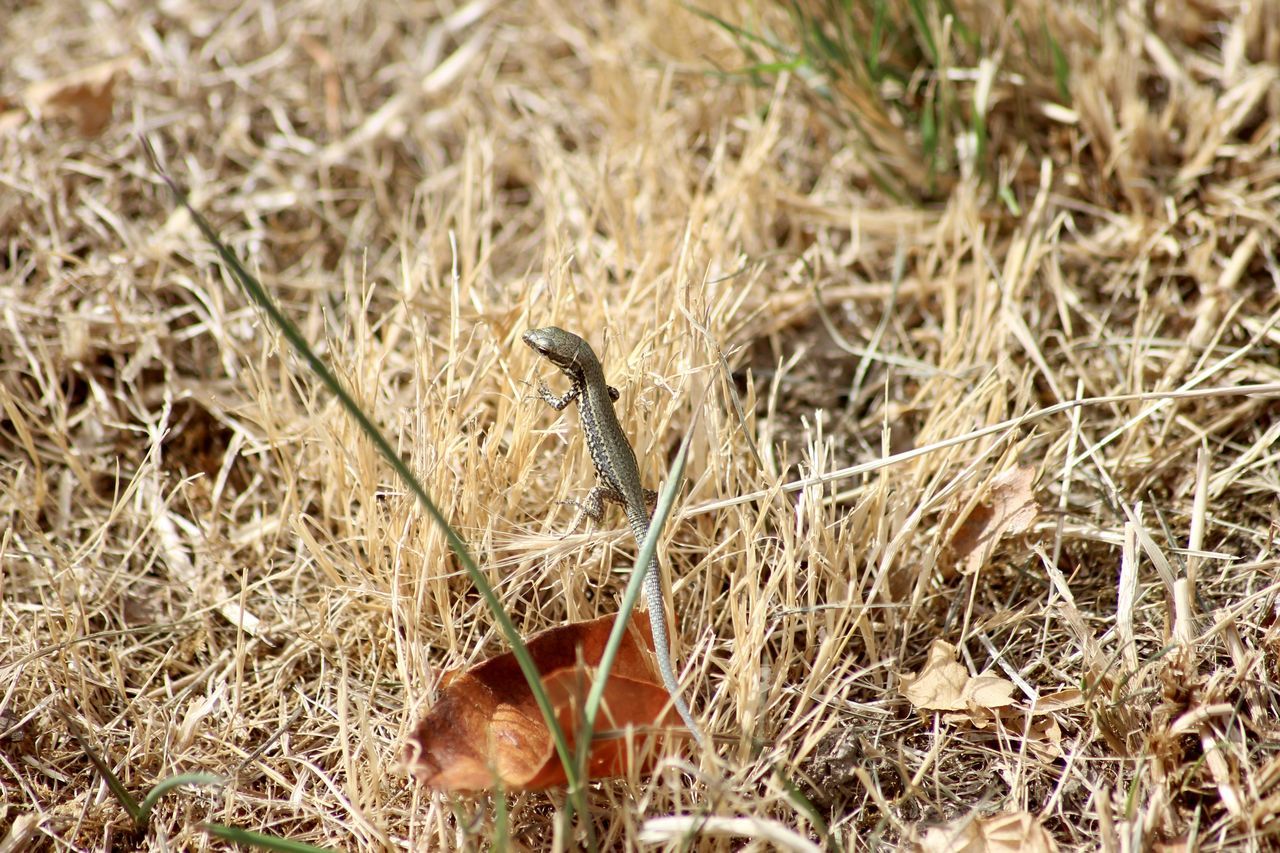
(616, 470)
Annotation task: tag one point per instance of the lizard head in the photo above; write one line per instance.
(557, 346)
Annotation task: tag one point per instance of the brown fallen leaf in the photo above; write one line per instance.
(945, 685)
(486, 728)
(1038, 724)
(85, 96)
(1043, 736)
(1062, 700)
(1008, 507)
(939, 686)
(982, 701)
(1002, 833)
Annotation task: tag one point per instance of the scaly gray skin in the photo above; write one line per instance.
(616, 469)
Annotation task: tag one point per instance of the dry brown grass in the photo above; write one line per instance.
(208, 567)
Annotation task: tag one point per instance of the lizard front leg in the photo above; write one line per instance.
(557, 403)
(592, 507)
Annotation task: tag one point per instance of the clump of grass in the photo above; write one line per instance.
(912, 81)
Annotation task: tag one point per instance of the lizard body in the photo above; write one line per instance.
(616, 468)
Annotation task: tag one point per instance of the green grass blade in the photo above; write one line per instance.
(666, 500)
(1010, 202)
(1061, 69)
(806, 807)
(255, 291)
(257, 839)
(816, 42)
(929, 135)
(736, 31)
(117, 787)
(875, 42)
(922, 28)
(173, 782)
(958, 26)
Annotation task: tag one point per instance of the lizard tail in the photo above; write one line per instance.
(661, 646)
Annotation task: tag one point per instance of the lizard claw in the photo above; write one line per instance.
(577, 518)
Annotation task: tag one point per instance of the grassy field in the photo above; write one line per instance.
(868, 257)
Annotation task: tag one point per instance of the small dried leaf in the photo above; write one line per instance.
(1062, 700)
(85, 96)
(989, 691)
(486, 729)
(1044, 738)
(1003, 833)
(944, 685)
(940, 685)
(1008, 508)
